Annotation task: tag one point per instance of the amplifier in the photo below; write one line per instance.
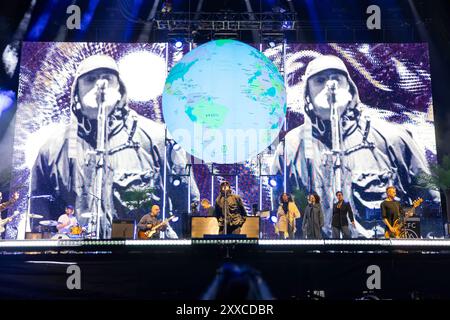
(122, 229)
(412, 227)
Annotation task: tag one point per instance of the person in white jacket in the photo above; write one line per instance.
(287, 215)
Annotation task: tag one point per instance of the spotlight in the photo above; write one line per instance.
(273, 182)
(271, 44)
(176, 181)
(274, 219)
(287, 25)
(175, 219)
(166, 6)
(178, 44)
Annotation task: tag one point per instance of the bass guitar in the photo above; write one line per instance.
(399, 224)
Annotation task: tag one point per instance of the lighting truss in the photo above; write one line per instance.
(226, 21)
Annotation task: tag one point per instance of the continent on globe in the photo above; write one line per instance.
(207, 112)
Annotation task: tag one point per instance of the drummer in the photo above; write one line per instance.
(67, 220)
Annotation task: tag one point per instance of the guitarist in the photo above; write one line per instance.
(150, 220)
(5, 205)
(391, 211)
(9, 203)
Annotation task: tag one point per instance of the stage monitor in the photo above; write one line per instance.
(123, 229)
(204, 226)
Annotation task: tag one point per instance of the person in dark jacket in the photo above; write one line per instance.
(313, 219)
(233, 205)
(339, 222)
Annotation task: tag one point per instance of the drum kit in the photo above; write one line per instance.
(48, 230)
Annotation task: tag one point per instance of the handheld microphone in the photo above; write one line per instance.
(101, 84)
(331, 85)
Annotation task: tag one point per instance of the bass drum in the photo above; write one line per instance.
(47, 235)
(76, 230)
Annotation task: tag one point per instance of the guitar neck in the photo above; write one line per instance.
(8, 219)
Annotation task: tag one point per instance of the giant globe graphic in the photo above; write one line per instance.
(224, 102)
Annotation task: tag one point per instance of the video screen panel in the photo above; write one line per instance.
(386, 127)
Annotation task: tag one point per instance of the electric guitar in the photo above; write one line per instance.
(399, 224)
(149, 233)
(6, 220)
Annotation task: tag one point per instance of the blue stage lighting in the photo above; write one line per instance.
(273, 182)
(7, 99)
(287, 25)
(178, 44)
(176, 181)
(41, 23)
(274, 219)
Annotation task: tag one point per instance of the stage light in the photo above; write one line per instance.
(157, 242)
(292, 242)
(271, 44)
(178, 44)
(7, 98)
(166, 6)
(41, 23)
(273, 182)
(274, 219)
(287, 25)
(176, 181)
(144, 74)
(175, 219)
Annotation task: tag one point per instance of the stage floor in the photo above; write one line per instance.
(410, 245)
(183, 269)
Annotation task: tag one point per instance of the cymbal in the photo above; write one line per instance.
(86, 215)
(35, 216)
(48, 223)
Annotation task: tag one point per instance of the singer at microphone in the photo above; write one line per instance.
(98, 87)
(231, 203)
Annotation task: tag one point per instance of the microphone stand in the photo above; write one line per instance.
(335, 142)
(94, 215)
(30, 221)
(225, 209)
(100, 159)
